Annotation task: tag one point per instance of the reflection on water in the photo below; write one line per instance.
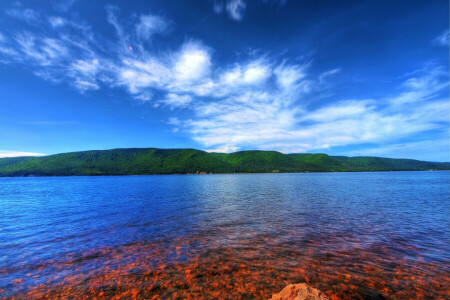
(352, 235)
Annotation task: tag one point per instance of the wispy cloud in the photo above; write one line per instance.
(41, 50)
(149, 25)
(442, 39)
(26, 14)
(56, 21)
(175, 100)
(10, 153)
(63, 5)
(49, 123)
(423, 149)
(274, 120)
(234, 8)
(422, 84)
(84, 73)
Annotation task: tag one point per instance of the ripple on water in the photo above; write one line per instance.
(353, 236)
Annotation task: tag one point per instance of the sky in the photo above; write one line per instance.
(338, 77)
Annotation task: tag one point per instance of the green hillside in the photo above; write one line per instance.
(137, 161)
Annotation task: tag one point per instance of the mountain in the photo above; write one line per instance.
(140, 161)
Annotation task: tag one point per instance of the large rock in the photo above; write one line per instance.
(300, 291)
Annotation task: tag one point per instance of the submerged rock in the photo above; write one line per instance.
(299, 291)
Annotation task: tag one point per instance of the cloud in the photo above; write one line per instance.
(140, 75)
(329, 73)
(234, 8)
(63, 5)
(9, 153)
(186, 70)
(428, 149)
(341, 110)
(50, 123)
(43, 51)
(245, 74)
(224, 149)
(259, 101)
(288, 75)
(174, 100)
(192, 63)
(6, 50)
(267, 120)
(423, 85)
(84, 74)
(217, 6)
(442, 39)
(26, 14)
(149, 25)
(56, 21)
(66, 53)
(111, 13)
(256, 74)
(174, 121)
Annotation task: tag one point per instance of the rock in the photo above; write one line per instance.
(299, 291)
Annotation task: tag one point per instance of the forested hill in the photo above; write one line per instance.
(140, 161)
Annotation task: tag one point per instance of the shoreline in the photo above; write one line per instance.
(236, 173)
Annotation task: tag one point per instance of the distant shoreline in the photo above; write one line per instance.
(236, 173)
(153, 161)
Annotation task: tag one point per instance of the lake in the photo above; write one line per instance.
(232, 236)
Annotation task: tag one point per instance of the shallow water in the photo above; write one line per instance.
(234, 236)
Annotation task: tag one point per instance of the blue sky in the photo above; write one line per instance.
(336, 77)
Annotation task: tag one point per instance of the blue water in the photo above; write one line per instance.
(402, 215)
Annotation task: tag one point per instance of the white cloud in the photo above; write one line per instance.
(43, 51)
(184, 71)
(235, 9)
(63, 5)
(256, 73)
(224, 149)
(111, 14)
(340, 110)
(6, 50)
(289, 75)
(148, 25)
(266, 121)
(424, 85)
(174, 121)
(192, 63)
(53, 49)
(84, 73)
(9, 153)
(9, 52)
(217, 6)
(25, 14)
(174, 100)
(326, 74)
(429, 149)
(442, 39)
(49, 123)
(144, 96)
(56, 21)
(140, 75)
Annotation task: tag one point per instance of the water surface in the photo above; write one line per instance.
(234, 236)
